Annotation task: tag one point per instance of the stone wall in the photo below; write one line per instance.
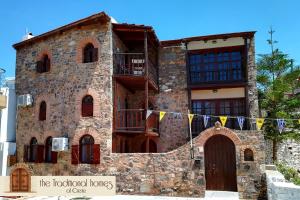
(279, 188)
(172, 97)
(64, 86)
(288, 152)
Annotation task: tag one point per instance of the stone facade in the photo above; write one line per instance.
(287, 153)
(171, 172)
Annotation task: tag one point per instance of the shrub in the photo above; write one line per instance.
(289, 173)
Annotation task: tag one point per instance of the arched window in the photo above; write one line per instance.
(50, 156)
(87, 106)
(90, 54)
(86, 149)
(33, 150)
(44, 64)
(248, 155)
(43, 111)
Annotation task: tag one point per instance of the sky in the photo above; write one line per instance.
(171, 19)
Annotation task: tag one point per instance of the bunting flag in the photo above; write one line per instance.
(178, 115)
(241, 121)
(223, 120)
(149, 112)
(161, 115)
(191, 116)
(280, 123)
(299, 121)
(259, 123)
(205, 119)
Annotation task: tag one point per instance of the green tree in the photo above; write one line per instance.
(277, 79)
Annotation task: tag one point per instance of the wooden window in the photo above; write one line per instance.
(50, 156)
(90, 54)
(87, 106)
(216, 65)
(248, 155)
(86, 152)
(217, 107)
(33, 150)
(43, 111)
(43, 65)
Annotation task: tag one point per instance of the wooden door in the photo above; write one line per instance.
(20, 180)
(220, 164)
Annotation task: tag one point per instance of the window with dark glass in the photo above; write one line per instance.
(33, 147)
(222, 66)
(43, 65)
(217, 107)
(86, 149)
(43, 111)
(87, 106)
(248, 155)
(90, 54)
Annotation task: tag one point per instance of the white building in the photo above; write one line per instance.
(8, 125)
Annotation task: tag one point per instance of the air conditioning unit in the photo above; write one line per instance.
(25, 100)
(60, 144)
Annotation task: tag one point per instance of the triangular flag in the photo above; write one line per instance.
(259, 123)
(177, 115)
(280, 123)
(149, 112)
(205, 120)
(241, 121)
(161, 115)
(191, 116)
(223, 120)
(299, 121)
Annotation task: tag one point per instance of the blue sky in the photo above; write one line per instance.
(171, 19)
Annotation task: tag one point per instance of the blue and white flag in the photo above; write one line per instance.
(149, 112)
(241, 121)
(178, 115)
(205, 120)
(280, 124)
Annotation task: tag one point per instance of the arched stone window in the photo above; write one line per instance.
(43, 65)
(248, 155)
(90, 53)
(87, 106)
(33, 150)
(43, 111)
(86, 149)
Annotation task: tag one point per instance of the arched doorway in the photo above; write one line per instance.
(20, 180)
(220, 164)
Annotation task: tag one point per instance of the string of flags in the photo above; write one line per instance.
(240, 119)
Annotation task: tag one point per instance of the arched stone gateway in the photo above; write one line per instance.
(219, 146)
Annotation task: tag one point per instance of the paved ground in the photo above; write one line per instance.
(209, 195)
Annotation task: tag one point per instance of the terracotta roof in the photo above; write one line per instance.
(98, 16)
(208, 37)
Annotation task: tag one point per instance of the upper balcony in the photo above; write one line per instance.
(130, 70)
(135, 56)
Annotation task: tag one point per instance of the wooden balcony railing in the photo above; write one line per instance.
(134, 120)
(130, 120)
(133, 64)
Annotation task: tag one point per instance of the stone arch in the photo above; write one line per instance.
(96, 102)
(81, 45)
(44, 51)
(242, 153)
(205, 135)
(89, 131)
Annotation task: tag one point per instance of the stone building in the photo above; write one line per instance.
(93, 81)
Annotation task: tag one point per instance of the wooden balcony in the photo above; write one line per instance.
(134, 121)
(130, 70)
